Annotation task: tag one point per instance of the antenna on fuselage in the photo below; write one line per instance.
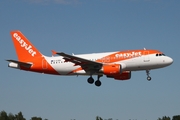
(144, 48)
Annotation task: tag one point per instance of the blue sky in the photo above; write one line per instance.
(88, 26)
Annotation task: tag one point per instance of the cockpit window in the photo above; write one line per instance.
(160, 54)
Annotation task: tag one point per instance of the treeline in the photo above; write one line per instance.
(19, 116)
(175, 117)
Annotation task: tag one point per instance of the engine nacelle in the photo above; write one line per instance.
(112, 69)
(125, 75)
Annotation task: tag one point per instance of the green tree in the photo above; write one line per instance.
(176, 117)
(36, 118)
(11, 116)
(164, 118)
(3, 116)
(98, 118)
(19, 116)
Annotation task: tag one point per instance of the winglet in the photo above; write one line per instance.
(53, 52)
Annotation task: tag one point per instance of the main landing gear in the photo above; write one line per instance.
(90, 80)
(148, 77)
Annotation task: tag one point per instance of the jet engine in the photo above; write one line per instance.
(112, 69)
(125, 75)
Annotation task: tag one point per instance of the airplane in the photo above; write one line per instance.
(117, 65)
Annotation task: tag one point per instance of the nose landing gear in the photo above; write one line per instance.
(148, 77)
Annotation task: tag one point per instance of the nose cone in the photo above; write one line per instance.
(169, 60)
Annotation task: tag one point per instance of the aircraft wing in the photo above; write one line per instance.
(86, 64)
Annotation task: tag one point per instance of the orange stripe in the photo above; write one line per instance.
(40, 65)
(122, 55)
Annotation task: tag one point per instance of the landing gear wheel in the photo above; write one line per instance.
(90, 80)
(98, 83)
(149, 78)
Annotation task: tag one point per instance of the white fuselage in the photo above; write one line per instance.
(147, 62)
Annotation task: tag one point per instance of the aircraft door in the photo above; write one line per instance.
(146, 56)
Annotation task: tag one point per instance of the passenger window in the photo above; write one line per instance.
(156, 54)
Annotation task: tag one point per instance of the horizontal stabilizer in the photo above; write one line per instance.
(18, 63)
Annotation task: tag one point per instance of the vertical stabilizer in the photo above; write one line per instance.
(25, 50)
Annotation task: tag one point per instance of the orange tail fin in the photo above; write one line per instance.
(25, 50)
